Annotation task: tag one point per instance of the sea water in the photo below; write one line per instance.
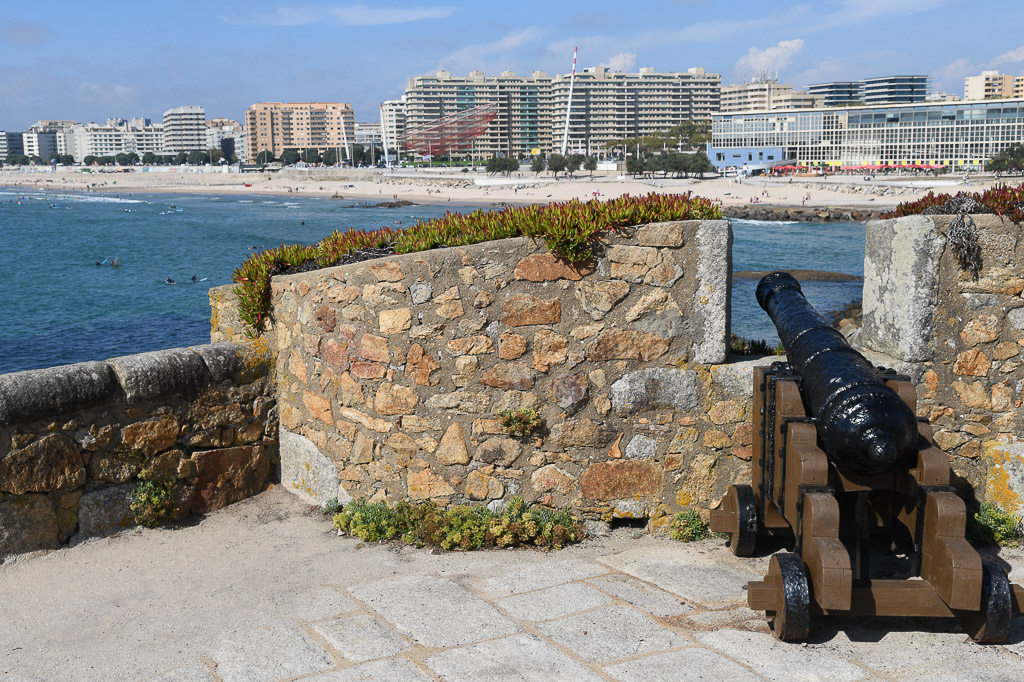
(59, 307)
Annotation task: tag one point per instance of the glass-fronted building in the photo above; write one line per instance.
(962, 135)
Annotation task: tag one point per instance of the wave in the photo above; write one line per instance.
(82, 198)
(767, 223)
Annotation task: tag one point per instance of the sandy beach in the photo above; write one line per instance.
(852, 192)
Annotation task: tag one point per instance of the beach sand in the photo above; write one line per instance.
(480, 189)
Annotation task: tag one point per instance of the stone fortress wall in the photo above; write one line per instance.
(389, 377)
(76, 439)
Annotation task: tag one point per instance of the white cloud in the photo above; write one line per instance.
(624, 61)
(351, 15)
(1011, 57)
(472, 57)
(773, 58)
(950, 78)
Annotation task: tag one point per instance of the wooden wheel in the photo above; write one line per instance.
(792, 621)
(738, 519)
(991, 624)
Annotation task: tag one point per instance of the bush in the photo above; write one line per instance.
(520, 422)
(152, 503)
(331, 507)
(992, 525)
(461, 526)
(1001, 200)
(568, 230)
(688, 527)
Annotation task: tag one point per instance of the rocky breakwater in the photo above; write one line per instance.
(790, 213)
(394, 376)
(423, 182)
(93, 448)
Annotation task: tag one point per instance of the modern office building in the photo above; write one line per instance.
(39, 143)
(988, 85)
(871, 91)
(10, 144)
(961, 135)
(185, 129)
(531, 110)
(277, 126)
(763, 95)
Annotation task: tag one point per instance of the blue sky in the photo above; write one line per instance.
(69, 59)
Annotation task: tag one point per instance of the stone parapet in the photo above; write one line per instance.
(76, 440)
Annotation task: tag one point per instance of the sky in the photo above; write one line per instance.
(89, 61)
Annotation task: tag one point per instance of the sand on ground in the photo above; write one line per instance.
(480, 189)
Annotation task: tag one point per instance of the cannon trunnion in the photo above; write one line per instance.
(865, 513)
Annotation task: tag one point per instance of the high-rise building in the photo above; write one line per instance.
(11, 144)
(879, 91)
(117, 136)
(392, 117)
(40, 143)
(368, 132)
(219, 129)
(277, 126)
(988, 85)
(1018, 86)
(531, 110)
(763, 95)
(185, 129)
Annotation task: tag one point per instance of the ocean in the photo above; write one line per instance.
(60, 307)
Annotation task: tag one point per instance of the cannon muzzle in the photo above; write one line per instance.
(863, 425)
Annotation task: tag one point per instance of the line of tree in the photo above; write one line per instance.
(669, 162)
(1010, 159)
(689, 134)
(557, 163)
(502, 164)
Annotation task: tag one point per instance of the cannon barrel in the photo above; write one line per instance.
(863, 425)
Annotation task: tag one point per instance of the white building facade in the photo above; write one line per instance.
(185, 129)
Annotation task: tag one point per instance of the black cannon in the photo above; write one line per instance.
(843, 471)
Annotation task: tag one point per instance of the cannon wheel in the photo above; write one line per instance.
(991, 624)
(739, 500)
(792, 622)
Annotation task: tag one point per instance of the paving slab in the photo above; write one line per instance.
(554, 602)
(543, 575)
(361, 638)
(781, 660)
(197, 672)
(686, 665)
(697, 574)
(611, 634)
(268, 654)
(522, 657)
(641, 595)
(434, 611)
(389, 670)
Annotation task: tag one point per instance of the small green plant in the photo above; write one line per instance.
(126, 455)
(741, 346)
(461, 526)
(688, 527)
(992, 525)
(331, 507)
(152, 503)
(521, 422)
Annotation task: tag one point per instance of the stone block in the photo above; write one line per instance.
(621, 479)
(374, 348)
(627, 345)
(549, 349)
(660, 234)
(434, 612)
(51, 463)
(610, 634)
(553, 602)
(644, 264)
(225, 361)
(426, 485)
(392, 399)
(901, 286)
(511, 346)
(27, 523)
(700, 664)
(517, 580)
(641, 447)
(470, 345)
(655, 387)
(508, 376)
(228, 475)
(105, 511)
(551, 478)
(639, 594)
(421, 292)
(148, 375)
(41, 393)
(394, 321)
(779, 660)
(579, 433)
(307, 472)
(599, 298)
(1004, 482)
(420, 365)
(569, 392)
(524, 310)
(547, 267)
(452, 448)
(361, 638)
(499, 451)
(714, 284)
(268, 653)
(522, 657)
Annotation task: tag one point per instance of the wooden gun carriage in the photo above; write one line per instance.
(843, 470)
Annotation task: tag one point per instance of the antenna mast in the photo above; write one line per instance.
(568, 107)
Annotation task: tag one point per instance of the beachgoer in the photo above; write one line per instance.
(194, 278)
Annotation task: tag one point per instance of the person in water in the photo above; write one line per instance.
(170, 281)
(194, 278)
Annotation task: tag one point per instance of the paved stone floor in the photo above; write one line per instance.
(265, 591)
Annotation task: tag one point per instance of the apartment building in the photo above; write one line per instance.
(184, 129)
(531, 110)
(962, 135)
(988, 85)
(368, 133)
(219, 129)
(873, 91)
(1018, 86)
(10, 144)
(763, 95)
(276, 126)
(39, 143)
(392, 122)
(117, 136)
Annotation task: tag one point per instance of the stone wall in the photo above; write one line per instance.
(960, 338)
(75, 440)
(391, 375)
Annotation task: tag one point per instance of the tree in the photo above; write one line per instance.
(122, 159)
(538, 164)
(330, 157)
(290, 156)
(106, 160)
(310, 155)
(1010, 159)
(702, 164)
(265, 157)
(227, 148)
(89, 160)
(149, 159)
(17, 160)
(198, 158)
(635, 165)
(573, 163)
(67, 160)
(556, 164)
(590, 164)
(214, 154)
(181, 159)
(493, 165)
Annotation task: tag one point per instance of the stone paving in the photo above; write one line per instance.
(618, 608)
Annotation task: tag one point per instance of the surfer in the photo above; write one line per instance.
(169, 281)
(194, 278)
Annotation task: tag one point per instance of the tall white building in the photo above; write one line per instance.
(763, 95)
(219, 129)
(117, 136)
(185, 129)
(392, 117)
(368, 133)
(988, 85)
